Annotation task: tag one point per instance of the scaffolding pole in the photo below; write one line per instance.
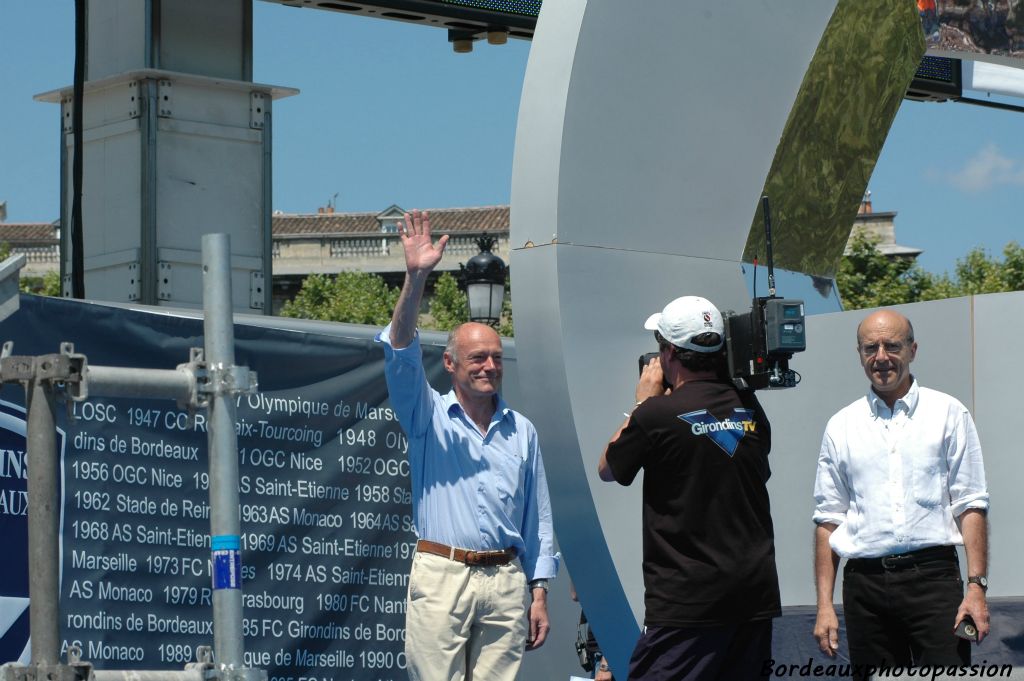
(43, 521)
(225, 529)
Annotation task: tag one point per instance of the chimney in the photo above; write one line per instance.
(320, 210)
(865, 204)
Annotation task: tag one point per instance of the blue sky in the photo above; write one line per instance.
(389, 114)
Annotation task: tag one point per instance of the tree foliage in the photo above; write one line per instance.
(361, 298)
(978, 273)
(867, 278)
(448, 305)
(352, 297)
(46, 285)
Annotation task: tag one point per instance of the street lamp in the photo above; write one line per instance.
(483, 278)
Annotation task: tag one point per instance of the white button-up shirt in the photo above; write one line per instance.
(898, 480)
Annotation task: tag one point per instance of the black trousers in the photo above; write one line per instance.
(735, 652)
(903, 615)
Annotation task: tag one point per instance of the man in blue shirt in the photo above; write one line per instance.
(480, 497)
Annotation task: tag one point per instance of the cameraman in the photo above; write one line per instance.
(709, 547)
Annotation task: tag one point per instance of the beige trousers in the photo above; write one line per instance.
(464, 623)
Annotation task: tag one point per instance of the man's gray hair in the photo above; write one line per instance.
(449, 347)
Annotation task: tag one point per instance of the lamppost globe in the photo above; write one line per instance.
(483, 278)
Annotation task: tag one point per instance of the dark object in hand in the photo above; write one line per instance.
(967, 629)
(645, 359)
(586, 645)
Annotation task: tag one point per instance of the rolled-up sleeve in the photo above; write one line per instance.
(967, 487)
(539, 560)
(831, 496)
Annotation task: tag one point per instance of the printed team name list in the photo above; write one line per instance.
(326, 533)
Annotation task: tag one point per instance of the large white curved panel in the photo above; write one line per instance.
(672, 119)
(646, 135)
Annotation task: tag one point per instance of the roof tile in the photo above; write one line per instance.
(442, 220)
(28, 232)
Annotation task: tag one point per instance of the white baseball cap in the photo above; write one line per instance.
(686, 318)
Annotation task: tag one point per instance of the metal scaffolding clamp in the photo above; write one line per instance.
(232, 380)
(196, 368)
(55, 672)
(15, 368)
(74, 378)
(74, 670)
(204, 659)
(64, 368)
(226, 673)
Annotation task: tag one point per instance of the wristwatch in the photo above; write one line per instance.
(539, 584)
(980, 580)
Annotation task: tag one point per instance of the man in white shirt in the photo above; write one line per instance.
(900, 482)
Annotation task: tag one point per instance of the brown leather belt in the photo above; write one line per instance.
(467, 556)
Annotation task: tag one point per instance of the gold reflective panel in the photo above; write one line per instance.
(849, 96)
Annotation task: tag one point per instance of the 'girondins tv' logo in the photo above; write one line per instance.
(726, 433)
(14, 627)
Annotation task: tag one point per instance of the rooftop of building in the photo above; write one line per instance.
(442, 220)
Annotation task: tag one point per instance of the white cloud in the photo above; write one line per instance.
(987, 169)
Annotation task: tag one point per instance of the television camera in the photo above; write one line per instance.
(759, 343)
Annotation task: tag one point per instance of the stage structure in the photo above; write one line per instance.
(695, 117)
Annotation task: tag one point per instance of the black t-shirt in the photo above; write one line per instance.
(709, 545)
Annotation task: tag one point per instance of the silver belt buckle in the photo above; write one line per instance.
(889, 562)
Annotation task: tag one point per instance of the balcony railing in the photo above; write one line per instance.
(39, 254)
(335, 250)
(361, 247)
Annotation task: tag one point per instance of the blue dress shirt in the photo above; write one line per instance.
(470, 489)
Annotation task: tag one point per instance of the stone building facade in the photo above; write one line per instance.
(329, 242)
